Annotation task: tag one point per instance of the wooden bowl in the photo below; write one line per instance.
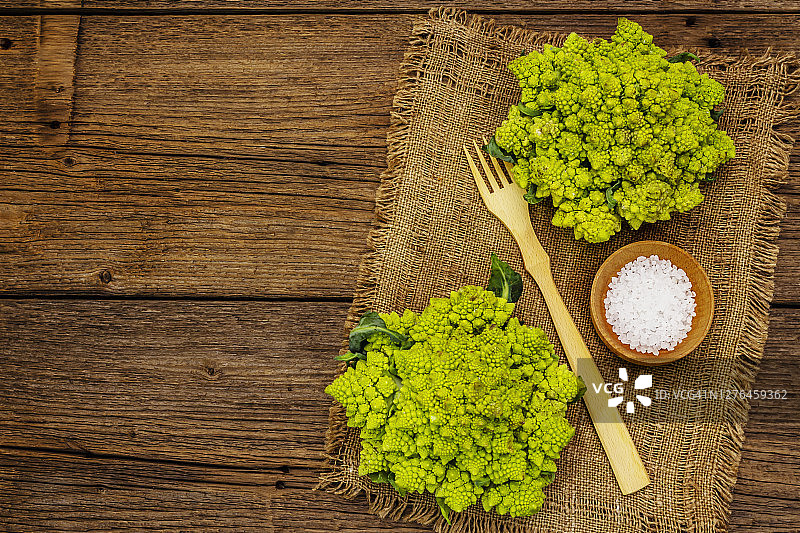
(704, 300)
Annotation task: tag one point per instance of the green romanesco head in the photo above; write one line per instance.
(600, 113)
(473, 409)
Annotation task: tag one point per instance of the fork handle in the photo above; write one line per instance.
(614, 436)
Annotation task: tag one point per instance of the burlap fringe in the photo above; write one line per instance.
(760, 292)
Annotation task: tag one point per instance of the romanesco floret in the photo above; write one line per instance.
(474, 408)
(516, 498)
(589, 216)
(613, 115)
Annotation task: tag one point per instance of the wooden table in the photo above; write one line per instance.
(185, 195)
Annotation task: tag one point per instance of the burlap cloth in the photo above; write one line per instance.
(434, 234)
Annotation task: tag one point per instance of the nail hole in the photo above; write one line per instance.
(59, 89)
(691, 21)
(68, 161)
(105, 276)
(55, 124)
(713, 42)
(5, 44)
(280, 484)
(284, 469)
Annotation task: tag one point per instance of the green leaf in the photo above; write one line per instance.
(504, 281)
(529, 111)
(483, 481)
(683, 57)
(444, 508)
(349, 356)
(610, 200)
(379, 477)
(371, 323)
(494, 150)
(716, 113)
(547, 476)
(531, 197)
(581, 390)
(395, 378)
(386, 477)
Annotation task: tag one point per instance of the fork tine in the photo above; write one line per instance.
(477, 175)
(501, 175)
(485, 165)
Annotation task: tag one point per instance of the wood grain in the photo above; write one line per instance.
(91, 221)
(234, 390)
(239, 162)
(149, 225)
(105, 494)
(60, 492)
(237, 383)
(55, 71)
(766, 494)
(18, 49)
(415, 5)
(311, 86)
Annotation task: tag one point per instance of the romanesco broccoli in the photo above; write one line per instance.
(473, 409)
(612, 115)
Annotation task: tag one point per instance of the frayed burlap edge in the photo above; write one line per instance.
(759, 292)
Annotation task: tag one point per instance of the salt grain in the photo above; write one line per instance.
(650, 304)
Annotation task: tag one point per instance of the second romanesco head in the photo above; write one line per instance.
(473, 410)
(599, 115)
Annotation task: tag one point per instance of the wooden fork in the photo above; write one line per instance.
(504, 199)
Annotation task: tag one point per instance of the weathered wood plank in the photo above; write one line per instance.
(236, 383)
(239, 165)
(56, 492)
(44, 491)
(106, 493)
(211, 382)
(417, 5)
(100, 222)
(308, 85)
(18, 48)
(60, 492)
(55, 71)
(240, 384)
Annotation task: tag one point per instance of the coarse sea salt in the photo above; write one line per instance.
(650, 304)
